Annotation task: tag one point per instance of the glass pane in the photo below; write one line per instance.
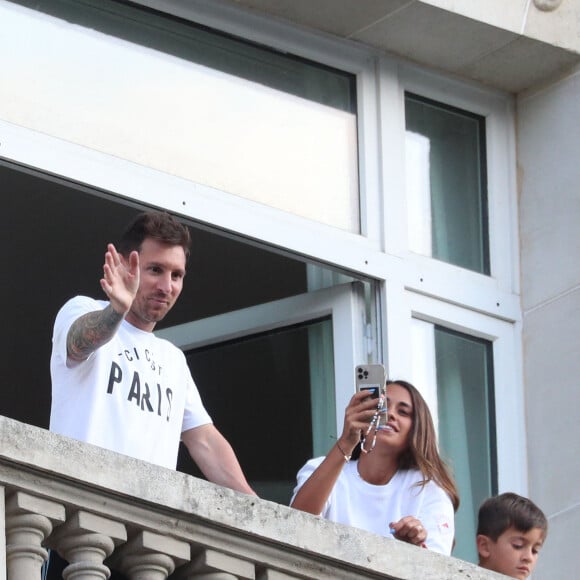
(466, 429)
(447, 184)
(178, 98)
(211, 48)
(271, 395)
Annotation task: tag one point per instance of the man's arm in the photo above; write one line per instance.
(215, 457)
(90, 332)
(120, 283)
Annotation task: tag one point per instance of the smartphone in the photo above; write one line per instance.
(371, 378)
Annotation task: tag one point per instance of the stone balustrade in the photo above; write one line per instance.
(100, 510)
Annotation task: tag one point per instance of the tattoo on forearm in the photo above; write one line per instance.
(90, 332)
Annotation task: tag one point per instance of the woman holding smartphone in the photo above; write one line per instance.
(394, 485)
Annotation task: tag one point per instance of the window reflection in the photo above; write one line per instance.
(273, 395)
(447, 184)
(172, 96)
(454, 372)
(466, 424)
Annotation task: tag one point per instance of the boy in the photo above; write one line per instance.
(510, 532)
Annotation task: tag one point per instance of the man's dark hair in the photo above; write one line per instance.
(506, 510)
(158, 225)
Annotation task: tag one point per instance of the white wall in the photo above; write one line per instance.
(549, 166)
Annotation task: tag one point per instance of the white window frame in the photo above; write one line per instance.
(343, 303)
(507, 373)
(497, 294)
(410, 285)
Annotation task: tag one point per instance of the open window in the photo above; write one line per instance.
(273, 361)
(276, 377)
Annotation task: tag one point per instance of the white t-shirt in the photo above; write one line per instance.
(356, 503)
(134, 395)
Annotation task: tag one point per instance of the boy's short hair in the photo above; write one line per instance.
(506, 510)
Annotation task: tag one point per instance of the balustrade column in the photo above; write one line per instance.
(150, 556)
(214, 565)
(85, 540)
(29, 520)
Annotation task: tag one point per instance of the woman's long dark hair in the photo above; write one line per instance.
(422, 453)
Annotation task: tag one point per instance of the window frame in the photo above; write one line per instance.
(498, 110)
(344, 55)
(506, 339)
(409, 285)
(344, 304)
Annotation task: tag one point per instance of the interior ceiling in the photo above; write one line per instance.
(430, 36)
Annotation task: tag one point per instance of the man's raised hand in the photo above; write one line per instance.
(120, 280)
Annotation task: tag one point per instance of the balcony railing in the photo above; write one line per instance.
(102, 510)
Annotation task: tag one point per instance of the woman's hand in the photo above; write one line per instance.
(409, 529)
(357, 416)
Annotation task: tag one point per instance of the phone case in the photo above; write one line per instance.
(371, 377)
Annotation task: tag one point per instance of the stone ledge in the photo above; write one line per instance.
(198, 502)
